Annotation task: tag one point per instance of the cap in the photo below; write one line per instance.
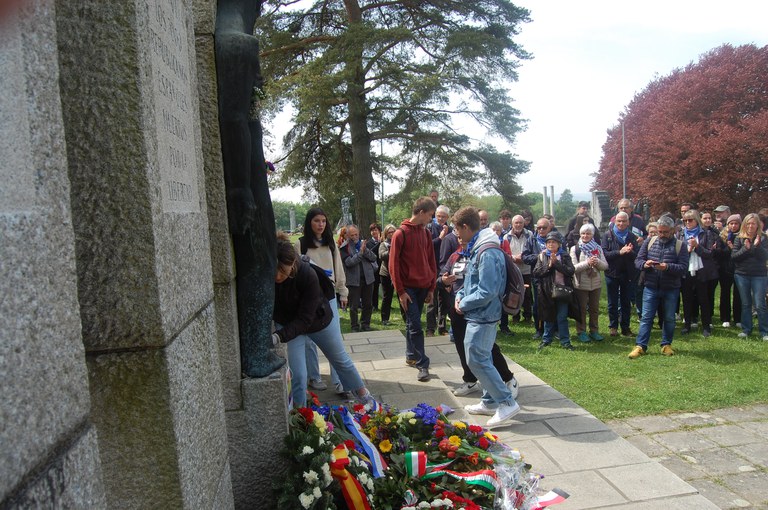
(722, 208)
(554, 236)
(733, 217)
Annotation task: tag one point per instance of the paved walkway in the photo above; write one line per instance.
(683, 461)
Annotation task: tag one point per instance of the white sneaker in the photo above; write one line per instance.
(726, 324)
(742, 335)
(512, 386)
(317, 384)
(504, 413)
(467, 388)
(339, 389)
(480, 408)
(765, 338)
(694, 325)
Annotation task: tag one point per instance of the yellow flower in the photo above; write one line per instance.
(373, 432)
(455, 440)
(412, 421)
(387, 420)
(319, 422)
(489, 436)
(385, 446)
(459, 424)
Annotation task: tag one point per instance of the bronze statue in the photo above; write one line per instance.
(249, 206)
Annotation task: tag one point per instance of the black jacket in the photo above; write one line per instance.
(663, 251)
(619, 266)
(300, 305)
(750, 262)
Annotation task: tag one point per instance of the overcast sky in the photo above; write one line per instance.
(590, 58)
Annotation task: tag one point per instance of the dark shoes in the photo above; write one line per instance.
(423, 374)
(685, 330)
(355, 328)
(366, 328)
(543, 344)
(430, 332)
(569, 347)
(443, 332)
(627, 332)
(706, 333)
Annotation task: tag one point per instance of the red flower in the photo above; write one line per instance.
(483, 443)
(475, 428)
(595, 252)
(440, 433)
(364, 419)
(307, 413)
(358, 408)
(349, 444)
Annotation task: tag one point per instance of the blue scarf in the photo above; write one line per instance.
(542, 242)
(689, 234)
(560, 251)
(621, 235)
(357, 245)
(589, 247)
(470, 245)
(732, 236)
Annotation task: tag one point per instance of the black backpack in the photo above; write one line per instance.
(329, 290)
(514, 291)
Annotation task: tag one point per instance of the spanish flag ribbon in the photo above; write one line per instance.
(353, 492)
(416, 466)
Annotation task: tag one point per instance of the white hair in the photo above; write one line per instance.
(622, 213)
(443, 209)
(587, 227)
(495, 225)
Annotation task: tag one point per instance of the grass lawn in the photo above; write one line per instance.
(704, 374)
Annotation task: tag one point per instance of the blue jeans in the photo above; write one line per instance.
(651, 299)
(478, 348)
(414, 335)
(618, 301)
(561, 325)
(752, 293)
(313, 363)
(330, 342)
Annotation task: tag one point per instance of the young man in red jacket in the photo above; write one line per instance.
(413, 272)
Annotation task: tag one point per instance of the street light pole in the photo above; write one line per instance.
(623, 163)
(381, 165)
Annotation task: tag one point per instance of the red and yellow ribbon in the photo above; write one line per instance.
(353, 492)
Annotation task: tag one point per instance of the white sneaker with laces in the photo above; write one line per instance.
(512, 386)
(480, 408)
(504, 413)
(726, 324)
(742, 335)
(467, 388)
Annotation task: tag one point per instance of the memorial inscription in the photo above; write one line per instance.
(174, 119)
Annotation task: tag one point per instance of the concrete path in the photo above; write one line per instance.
(683, 461)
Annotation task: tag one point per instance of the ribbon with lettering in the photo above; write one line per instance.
(353, 492)
(378, 464)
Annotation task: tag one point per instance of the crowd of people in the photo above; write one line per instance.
(668, 268)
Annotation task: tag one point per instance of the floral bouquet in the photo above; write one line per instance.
(362, 458)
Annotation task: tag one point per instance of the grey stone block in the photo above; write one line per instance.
(684, 441)
(44, 396)
(591, 451)
(255, 438)
(204, 13)
(72, 480)
(729, 435)
(228, 341)
(586, 489)
(138, 202)
(576, 424)
(160, 419)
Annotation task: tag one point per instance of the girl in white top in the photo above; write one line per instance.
(589, 262)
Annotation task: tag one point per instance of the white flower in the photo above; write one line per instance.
(412, 421)
(363, 478)
(310, 477)
(369, 484)
(307, 450)
(447, 503)
(423, 504)
(316, 492)
(306, 500)
(321, 441)
(327, 475)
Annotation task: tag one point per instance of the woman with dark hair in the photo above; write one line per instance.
(750, 254)
(303, 315)
(317, 243)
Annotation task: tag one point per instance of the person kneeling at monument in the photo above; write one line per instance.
(303, 314)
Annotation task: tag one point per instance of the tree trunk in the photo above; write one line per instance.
(362, 171)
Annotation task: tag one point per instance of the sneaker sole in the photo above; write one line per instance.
(489, 412)
(473, 389)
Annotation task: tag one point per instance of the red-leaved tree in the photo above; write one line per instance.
(697, 135)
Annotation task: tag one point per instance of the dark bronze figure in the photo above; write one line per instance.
(249, 206)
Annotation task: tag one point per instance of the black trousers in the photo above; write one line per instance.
(360, 294)
(695, 294)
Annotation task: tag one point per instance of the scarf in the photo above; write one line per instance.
(542, 242)
(590, 248)
(691, 233)
(560, 252)
(732, 236)
(470, 245)
(357, 245)
(621, 235)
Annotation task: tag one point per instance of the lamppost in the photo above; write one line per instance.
(623, 163)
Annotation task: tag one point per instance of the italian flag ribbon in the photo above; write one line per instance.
(353, 492)
(552, 497)
(378, 464)
(416, 466)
